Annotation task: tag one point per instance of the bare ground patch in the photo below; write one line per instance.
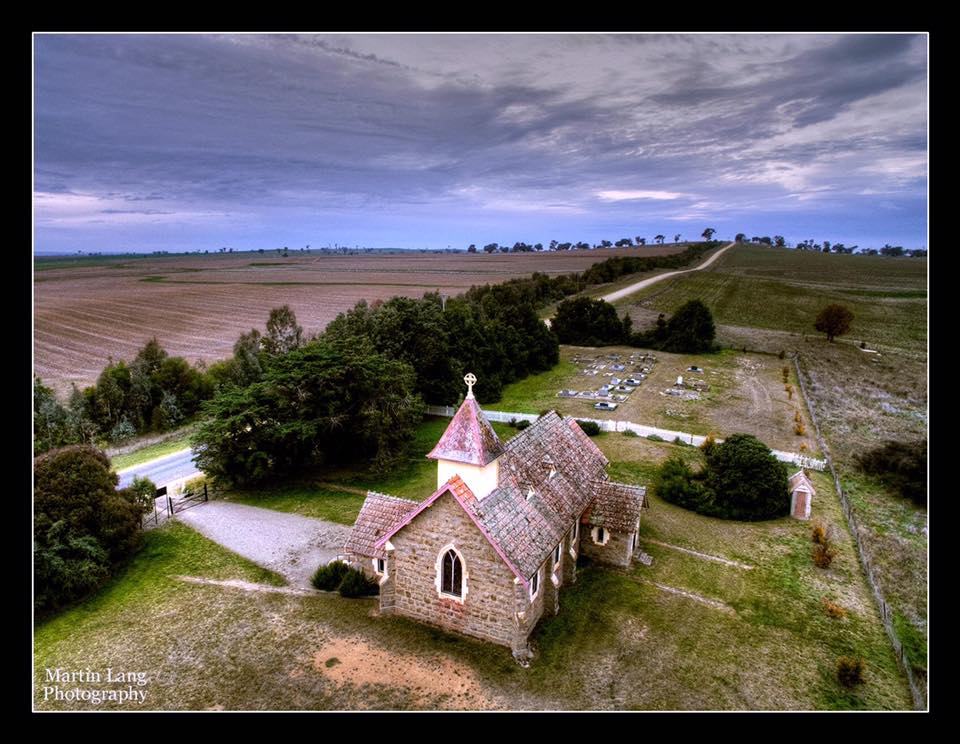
(432, 681)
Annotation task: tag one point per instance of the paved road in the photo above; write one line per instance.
(289, 544)
(163, 470)
(660, 277)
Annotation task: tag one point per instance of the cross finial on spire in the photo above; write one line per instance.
(471, 380)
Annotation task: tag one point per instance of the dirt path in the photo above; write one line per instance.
(289, 544)
(637, 286)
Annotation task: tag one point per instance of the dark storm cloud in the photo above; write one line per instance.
(382, 125)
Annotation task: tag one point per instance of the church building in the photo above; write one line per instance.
(487, 553)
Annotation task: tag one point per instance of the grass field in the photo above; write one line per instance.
(746, 394)
(766, 299)
(151, 452)
(622, 640)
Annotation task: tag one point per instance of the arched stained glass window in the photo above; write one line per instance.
(451, 581)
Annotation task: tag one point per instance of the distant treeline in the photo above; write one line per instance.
(493, 331)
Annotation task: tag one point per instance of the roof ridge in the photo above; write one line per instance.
(391, 496)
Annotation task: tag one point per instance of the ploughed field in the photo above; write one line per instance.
(88, 310)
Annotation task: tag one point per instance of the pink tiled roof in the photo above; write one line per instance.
(377, 516)
(469, 437)
(800, 478)
(549, 475)
(616, 507)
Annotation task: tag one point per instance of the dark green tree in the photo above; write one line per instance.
(586, 322)
(746, 480)
(82, 524)
(834, 320)
(326, 402)
(283, 333)
(691, 329)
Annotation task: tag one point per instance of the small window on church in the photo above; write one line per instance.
(535, 584)
(381, 565)
(576, 529)
(600, 534)
(452, 578)
(556, 554)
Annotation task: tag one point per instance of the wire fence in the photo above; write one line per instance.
(917, 688)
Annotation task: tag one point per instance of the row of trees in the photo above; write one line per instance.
(155, 391)
(586, 322)
(827, 247)
(521, 247)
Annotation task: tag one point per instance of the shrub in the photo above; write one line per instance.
(799, 429)
(789, 391)
(630, 433)
(709, 443)
(745, 480)
(823, 555)
(655, 438)
(590, 428)
(850, 671)
(677, 484)
(782, 354)
(832, 609)
(83, 525)
(681, 443)
(123, 431)
(902, 465)
(327, 578)
(522, 424)
(786, 374)
(356, 584)
(819, 534)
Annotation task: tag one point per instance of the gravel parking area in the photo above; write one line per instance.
(289, 544)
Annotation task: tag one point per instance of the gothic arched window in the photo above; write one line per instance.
(451, 580)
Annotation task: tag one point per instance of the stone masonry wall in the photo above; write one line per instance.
(617, 551)
(490, 603)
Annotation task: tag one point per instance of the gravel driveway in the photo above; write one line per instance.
(289, 544)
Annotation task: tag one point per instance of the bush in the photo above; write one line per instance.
(327, 578)
(655, 438)
(630, 433)
(819, 534)
(850, 671)
(522, 424)
(834, 320)
(356, 584)
(903, 465)
(681, 443)
(83, 526)
(746, 481)
(823, 555)
(122, 432)
(833, 610)
(590, 428)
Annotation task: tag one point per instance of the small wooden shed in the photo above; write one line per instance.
(801, 495)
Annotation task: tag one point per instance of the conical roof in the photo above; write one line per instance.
(469, 438)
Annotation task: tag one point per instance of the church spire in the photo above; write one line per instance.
(469, 447)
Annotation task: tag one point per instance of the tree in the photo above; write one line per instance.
(746, 480)
(676, 238)
(586, 322)
(82, 524)
(834, 320)
(708, 233)
(326, 402)
(690, 330)
(740, 237)
(283, 333)
(472, 248)
(659, 239)
(779, 241)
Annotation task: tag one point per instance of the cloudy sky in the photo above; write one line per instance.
(185, 142)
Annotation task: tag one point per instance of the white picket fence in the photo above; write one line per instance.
(640, 429)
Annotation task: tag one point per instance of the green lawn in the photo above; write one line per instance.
(151, 452)
(338, 493)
